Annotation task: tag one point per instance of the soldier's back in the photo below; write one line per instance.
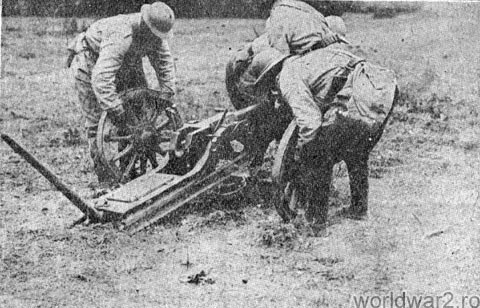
(119, 27)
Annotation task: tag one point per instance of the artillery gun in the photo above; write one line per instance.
(161, 165)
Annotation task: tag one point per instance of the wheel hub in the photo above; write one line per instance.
(139, 144)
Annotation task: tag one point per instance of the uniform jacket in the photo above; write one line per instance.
(315, 82)
(294, 27)
(119, 53)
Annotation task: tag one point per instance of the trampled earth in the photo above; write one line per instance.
(421, 236)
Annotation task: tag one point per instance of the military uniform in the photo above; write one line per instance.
(341, 104)
(295, 27)
(108, 60)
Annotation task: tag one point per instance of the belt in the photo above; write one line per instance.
(353, 62)
(74, 48)
(327, 40)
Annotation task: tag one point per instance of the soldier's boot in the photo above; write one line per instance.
(358, 176)
(318, 181)
(316, 214)
(354, 213)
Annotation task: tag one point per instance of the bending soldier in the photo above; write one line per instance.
(107, 60)
(294, 27)
(341, 104)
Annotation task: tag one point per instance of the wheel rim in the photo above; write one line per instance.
(141, 143)
(281, 173)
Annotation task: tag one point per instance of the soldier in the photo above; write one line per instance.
(294, 27)
(341, 104)
(107, 59)
(244, 90)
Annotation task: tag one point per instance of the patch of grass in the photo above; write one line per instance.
(278, 235)
(70, 26)
(381, 162)
(12, 29)
(218, 218)
(27, 55)
(432, 105)
(471, 146)
(72, 137)
(41, 32)
(417, 98)
(384, 9)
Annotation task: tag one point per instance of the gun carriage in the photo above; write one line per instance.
(161, 165)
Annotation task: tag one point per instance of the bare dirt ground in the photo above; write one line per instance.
(421, 237)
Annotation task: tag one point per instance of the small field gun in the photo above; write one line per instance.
(160, 166)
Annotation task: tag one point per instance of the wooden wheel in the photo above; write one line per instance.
(284, 197)
(139, 144)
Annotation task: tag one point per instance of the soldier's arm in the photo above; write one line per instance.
(278, 35)
(111, 56)
(162, 62)
(297, 94)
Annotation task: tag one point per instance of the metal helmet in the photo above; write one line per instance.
(266, 62)
(159, 18)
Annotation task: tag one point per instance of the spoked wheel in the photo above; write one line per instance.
(284, 196)
(139, 144)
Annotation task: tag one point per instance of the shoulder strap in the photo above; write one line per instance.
(354, 60)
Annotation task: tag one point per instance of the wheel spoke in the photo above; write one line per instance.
(162, 125)
(118, 138)
(130, 157)
(143, 165)
(130, 166)
(153, 117)
(124, 152)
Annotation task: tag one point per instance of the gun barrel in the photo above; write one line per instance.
(71, 195)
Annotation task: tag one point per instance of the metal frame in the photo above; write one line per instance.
(192, 170)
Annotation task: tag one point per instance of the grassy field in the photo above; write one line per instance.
(422, 235)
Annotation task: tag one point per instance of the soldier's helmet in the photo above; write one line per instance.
(267, 63)
(159, 18)
(246, 71)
